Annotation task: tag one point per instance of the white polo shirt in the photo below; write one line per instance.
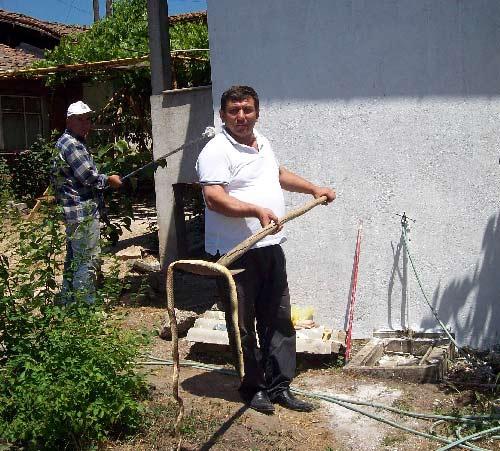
(247, 174)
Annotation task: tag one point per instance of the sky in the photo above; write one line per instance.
(80, 11)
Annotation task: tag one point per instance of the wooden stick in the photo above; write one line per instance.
(244, 246)
(39, 203)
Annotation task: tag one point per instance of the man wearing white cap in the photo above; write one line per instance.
(78, 186)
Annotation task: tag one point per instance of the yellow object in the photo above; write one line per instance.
(301, 313)
(327, 334)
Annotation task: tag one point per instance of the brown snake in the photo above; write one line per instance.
(219, 269)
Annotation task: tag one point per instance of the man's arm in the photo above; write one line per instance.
(85, 171)
(292, 182)
(219, 201)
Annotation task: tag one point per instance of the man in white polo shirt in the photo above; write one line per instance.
(242, 186)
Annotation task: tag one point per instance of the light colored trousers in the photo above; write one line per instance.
(82, 261)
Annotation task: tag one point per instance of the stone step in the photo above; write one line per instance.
(210, 327)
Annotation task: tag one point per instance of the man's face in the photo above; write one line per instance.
(80, 124)
(240, 117)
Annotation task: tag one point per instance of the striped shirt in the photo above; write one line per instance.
(77, 183)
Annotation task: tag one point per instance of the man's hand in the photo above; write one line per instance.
(266, 216)
(115, 181)
(218, 200)
(319, 191)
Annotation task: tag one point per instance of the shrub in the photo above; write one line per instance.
(66, 373)
(75, 387)
(31, 169)
(5, 183)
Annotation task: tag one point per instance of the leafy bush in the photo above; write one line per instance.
(5, 183)
(124, 34)
(30, 170)
(194, 72)
(75, 387)
(66, 373)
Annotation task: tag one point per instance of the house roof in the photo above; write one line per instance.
(57, 30)
(52, 29)
(16, 56)
(189, 17)
(11, 58)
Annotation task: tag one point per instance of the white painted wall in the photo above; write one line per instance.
(395, 103)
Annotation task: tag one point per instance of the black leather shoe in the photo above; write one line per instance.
(261, 403)
(286, 399)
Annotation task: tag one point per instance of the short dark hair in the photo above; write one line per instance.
(238, 93)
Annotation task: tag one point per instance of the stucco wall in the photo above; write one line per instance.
(396, 104)
(178, 116)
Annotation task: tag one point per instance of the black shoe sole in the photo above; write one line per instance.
(266, 410)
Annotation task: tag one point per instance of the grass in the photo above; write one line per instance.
(197, 426)
(392, 439)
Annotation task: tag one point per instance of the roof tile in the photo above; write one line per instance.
(14, 58)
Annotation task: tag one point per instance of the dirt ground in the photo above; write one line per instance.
(217, 419)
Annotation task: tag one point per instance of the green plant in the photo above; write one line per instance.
(6, 192)
(391, 440)
(75, 388)
(30, 170)
(67, 379)
(195, 71)
(124, 34)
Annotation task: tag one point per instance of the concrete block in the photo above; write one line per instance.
(337, 347)
(214, 314)
(129, 253)
(202, 335)
(427, 362)
(211, 331)
(208, 323)
(146, 267)
(313, 346)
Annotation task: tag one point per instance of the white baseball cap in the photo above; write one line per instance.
(78, 108)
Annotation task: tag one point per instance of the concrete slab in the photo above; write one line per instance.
(412, 359)
(211, 329)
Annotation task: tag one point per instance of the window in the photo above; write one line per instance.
(20, 121)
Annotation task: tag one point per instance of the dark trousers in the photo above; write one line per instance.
(263, 301)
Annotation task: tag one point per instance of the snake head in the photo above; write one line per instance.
(209, 132)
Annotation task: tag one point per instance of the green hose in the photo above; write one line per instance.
(469, 437)
(459, 436)
(428, 416)
(433, 310)
(467, 356)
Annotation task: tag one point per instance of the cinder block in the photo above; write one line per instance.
(208, 323)
(202, 335)
(308, 340)
(214, 314)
